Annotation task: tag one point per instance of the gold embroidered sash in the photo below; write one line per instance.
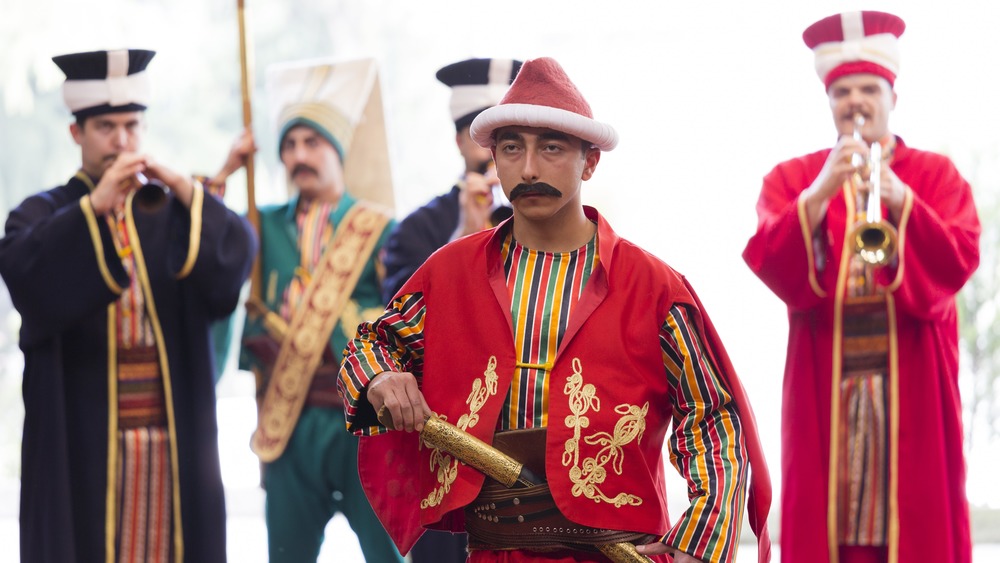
(301, 351)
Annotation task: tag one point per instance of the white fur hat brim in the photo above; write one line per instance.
(601, 135)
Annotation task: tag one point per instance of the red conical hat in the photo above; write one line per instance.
(543, 96)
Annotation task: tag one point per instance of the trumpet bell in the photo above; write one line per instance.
(151, 197)
(875, 243)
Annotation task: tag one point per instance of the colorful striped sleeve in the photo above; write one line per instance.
(706, 446)
(393, 342)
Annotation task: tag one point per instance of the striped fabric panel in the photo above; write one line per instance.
(315, 231)
(706, 446)
(367, 355)
(145, 504)
(862, 469)
(866, 336)
(862, 462)
(140, 388)
(543, 287)
(133, 328)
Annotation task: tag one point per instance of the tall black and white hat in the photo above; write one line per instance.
(105, 81)
(476, 84)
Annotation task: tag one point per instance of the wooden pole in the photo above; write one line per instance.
(245, 88)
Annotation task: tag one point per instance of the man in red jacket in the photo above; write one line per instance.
(568, 348)
(872, 367)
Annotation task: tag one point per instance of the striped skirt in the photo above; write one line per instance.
(145, 496)
(144, 479)
(862, 461)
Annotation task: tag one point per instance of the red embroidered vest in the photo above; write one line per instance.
(609, 400)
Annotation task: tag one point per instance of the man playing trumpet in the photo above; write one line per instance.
(120, 449)
(567, 348)
(872, 462)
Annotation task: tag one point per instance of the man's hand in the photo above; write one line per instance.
(399, 393)
(178, 183)
(476, 201)
(659, 548)
(892, 190)
(239, 152)
(116, 182)
(837, 169)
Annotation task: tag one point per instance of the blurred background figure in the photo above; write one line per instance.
(475, 202)
(867, 244)
(319, 254)
(117, 276)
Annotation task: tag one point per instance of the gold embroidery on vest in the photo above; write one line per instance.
(588, 477)
(446, 466)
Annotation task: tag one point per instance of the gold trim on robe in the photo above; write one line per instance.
(333, 282)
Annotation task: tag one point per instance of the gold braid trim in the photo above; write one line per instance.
(194, 236)
(142, 273)
(444, 464)
(334, 280)
(587, 477)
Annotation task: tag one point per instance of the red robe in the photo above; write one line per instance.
(622, 308)
(928, 514)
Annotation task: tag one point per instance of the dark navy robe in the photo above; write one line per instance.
(416, 238)
(62, 270)
(420, 234)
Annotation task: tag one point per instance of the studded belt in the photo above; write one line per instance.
(527, 517)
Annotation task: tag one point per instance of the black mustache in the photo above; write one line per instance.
(537, 188)
(303, 168)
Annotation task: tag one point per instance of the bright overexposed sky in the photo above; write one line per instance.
(706, 96)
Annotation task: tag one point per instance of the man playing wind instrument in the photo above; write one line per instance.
(868, 243)
(117, 284)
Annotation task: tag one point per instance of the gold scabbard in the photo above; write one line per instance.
(497, 465)
(471, 450)
(623, 552)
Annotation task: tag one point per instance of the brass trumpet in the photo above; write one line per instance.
(874, 237)
(150, 196)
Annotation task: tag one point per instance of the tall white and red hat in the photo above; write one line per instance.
(855, 43)
(542, 95)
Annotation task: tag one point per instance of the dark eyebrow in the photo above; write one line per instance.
(546, 136)
(509, 136)
(554, 136)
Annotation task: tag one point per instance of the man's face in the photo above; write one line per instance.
(476, 157)
(541, 170)
(103, 137)
(865, 94)
(312, 164)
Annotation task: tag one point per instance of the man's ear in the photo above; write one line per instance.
(76, 131)
(592, 157)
